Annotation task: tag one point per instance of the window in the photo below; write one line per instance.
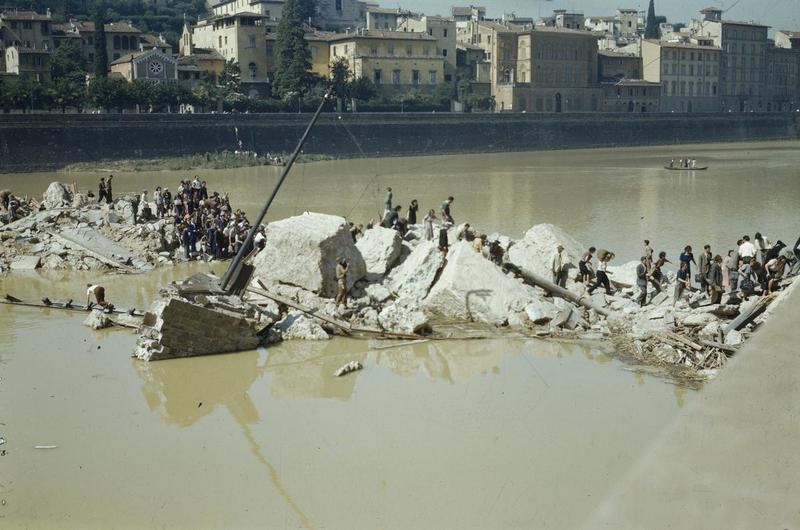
(415, 77)
(251, 41)
(444, 32)
(430, 32)
(377, 77)
(432, 77)
(390, 49)
(373, 49)
(117, 44)
(444, 52)
(270, 50)
(226, 39)
(253, 69)
(220, 41)
(425, 51)
(338, 5)
(683, 88)
(408, 50)
(26, 24)
(395, 77)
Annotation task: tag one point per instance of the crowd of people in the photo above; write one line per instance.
(747, 269)
(206, 224)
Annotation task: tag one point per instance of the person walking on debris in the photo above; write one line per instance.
(427, 224)
(109, 197)
(135, 207)
(648, 253)
(747, 251)
(388, 201)
(733, 267)
(444, 243)
(714, 279)
(446, 217)
(641, 280)
(101, 190)
(762, 246)
(413, 208)
(688, 258)
(704, 266)
(656, 276)
(775, 268)
(341, 283)
(601, 276)
(557, 267)
(681, 281)
(99, 293)
(585, 268)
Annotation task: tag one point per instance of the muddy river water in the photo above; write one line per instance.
(451, 434)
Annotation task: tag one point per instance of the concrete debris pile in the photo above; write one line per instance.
(72, 231)
(404, 286)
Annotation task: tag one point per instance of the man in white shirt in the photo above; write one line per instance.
(747, 250)
(99, 293)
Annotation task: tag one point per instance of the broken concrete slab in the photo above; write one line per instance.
(296, 325)
(698, 319)
(540, 311)
(534, 252)
(97, 320)
(378, 293)
(401, 318)
(57, 195)
(303, 251)
(25, 263)
(414, 277)
(473, 288)
(102, 248)
(380, 248)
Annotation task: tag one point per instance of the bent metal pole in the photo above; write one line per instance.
(237, 260)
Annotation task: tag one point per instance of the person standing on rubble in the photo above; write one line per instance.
(641, 280)
(714, 279)
(109, 197)
(101, 190)
(557, 267)
(341, 283)
(446, 217)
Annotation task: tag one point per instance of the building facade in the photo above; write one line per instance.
(743, 67)
(444, 31)
(689, 75)
(395, 61)
(783, 79)
(555, 70)
(614, 66)
(152, 65)
(631, 95)
(30, 33)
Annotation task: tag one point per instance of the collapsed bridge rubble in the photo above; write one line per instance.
(408, 292)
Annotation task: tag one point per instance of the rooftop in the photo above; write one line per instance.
(23, 15)
(381, 34)
(85, 26)
(683, 45)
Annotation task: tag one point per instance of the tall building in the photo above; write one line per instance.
(30, 34)
(554, 70)
(783, 79)
(122, 38)
(396, 61)
(443, 30)
(743, 71)
(689, 74)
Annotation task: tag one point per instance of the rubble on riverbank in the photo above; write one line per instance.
(73, 231)
(409, 290)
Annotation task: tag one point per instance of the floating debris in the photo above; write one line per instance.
(352, 366)
(45, 446)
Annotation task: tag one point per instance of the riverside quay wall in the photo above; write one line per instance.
(46, 141)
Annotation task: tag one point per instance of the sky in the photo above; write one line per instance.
(780, 14)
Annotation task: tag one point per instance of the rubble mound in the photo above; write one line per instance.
(303, 251)
(57, 195)
(534, 252)
(380, 248)
(473, 288)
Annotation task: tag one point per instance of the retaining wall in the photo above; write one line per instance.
(43, 141)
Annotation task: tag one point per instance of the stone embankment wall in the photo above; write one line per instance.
(43, 141)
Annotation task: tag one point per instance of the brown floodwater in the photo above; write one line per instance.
(452, 434)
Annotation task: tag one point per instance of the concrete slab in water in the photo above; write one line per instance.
(25, 263)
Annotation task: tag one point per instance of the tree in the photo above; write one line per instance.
(308, 10)
(340, 80)
(68, 70)
(109, 92)
(363, 89)
(100, 50)
(230, 85)
(651, 29)
(293, 56)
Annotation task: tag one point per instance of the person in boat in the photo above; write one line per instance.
(99, 293)
(672, 162)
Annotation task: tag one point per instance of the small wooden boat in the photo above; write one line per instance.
(679, 168)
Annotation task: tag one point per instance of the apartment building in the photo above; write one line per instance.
(122, 38)
(443, 30)
(30, 34)
(689, 74)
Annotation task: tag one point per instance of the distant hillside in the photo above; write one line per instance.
(152, 16)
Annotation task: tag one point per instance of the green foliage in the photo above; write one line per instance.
(65, 92)
(16, 93)
(110, 92)
(293, 56)
(230, 86)
(100, 50)
(363, 89)
(68, 61)
(340, 77)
